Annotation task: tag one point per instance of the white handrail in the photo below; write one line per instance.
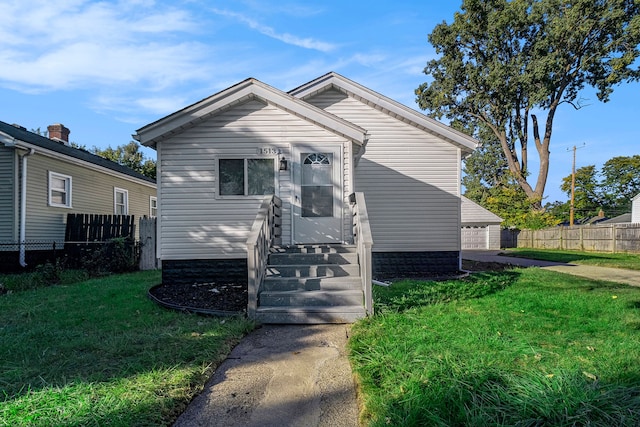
(363, 240)
(263, 232)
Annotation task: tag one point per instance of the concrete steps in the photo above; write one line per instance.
(311, 284)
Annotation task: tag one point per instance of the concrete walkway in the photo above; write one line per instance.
(281, 375)
(618, 275)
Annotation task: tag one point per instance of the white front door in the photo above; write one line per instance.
(317, 204)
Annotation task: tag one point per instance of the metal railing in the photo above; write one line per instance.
(265, 229)
(363, 240)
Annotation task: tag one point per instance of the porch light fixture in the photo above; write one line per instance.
(283, 164)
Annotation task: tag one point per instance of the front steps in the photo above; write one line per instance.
(311, 284)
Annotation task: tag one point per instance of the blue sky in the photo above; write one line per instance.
(105, 69)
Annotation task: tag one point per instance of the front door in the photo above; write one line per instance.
(317, 204)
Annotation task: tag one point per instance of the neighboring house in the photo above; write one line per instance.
(480, 227)
(312, 147)
(620, 219)
(44, 179)
(635, 209)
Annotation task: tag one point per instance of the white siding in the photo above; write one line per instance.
(7, 195)
(409, 177)
(194, 223)
(92, 192)
(635, 209)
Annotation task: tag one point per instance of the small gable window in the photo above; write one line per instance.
(59, 190)
(246, 177)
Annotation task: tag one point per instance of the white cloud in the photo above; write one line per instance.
(306, 42)
(67, 44)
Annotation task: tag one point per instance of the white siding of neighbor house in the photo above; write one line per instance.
(7, 195)
(194, 222)
(635, 209)
(410, 179)
(91, 193)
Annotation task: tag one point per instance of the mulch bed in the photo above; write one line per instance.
(227, 298)
(231, 298)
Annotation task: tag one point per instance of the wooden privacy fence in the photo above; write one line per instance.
(594, 238)
(98, 228)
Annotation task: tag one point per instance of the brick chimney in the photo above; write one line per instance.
(59, 132)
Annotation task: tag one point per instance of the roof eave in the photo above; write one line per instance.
(248, 89)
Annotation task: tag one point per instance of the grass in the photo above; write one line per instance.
(99, 353)
(524, 347)
(615, 260)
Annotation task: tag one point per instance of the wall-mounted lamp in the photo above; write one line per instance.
(283, 164)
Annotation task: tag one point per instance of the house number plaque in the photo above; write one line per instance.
(268, 151)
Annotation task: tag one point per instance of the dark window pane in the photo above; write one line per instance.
(231, 177)
(261, 176)
(317, 201)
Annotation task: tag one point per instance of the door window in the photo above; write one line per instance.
(316, 185)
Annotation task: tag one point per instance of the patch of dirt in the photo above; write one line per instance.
(229, 297)
(470, 265)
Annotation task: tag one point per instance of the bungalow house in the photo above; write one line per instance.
(43, 179)
(480, 227)
(318, 162)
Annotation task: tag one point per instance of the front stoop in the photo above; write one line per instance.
(311, 284)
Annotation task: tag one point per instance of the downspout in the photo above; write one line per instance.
(23, 207)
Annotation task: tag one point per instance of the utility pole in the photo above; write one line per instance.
(573, 185)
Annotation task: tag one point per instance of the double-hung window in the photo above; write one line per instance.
(153, 206)
(59, 190)
(246, 177)
(120, 201)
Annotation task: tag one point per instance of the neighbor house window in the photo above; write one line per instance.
(59, 190)
(120, 201)
(153, 206)
(246, 177)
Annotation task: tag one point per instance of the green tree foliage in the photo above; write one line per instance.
(620, 182)
(488, 182)
(610, 189)
(587, 198)
(129, 155)
(501, 60)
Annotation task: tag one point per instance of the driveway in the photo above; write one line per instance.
(618, 275)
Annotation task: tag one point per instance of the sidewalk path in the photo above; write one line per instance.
(618, 275)
(281, 375)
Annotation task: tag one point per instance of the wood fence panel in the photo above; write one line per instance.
(148, 234)
(591, 238)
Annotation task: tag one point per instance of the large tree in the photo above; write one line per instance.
(501, 61)
(129, 155)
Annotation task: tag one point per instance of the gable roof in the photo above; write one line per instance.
(473, 213)
(636, 197)
(393, 108)
(244, 91)
(13, 135)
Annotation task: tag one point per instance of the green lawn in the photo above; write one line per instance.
(523, 347)
(100, 353)
(617, 260)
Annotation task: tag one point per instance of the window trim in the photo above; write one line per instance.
(153, 199)
(68, 190)
(124, 191)
(246, 177)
